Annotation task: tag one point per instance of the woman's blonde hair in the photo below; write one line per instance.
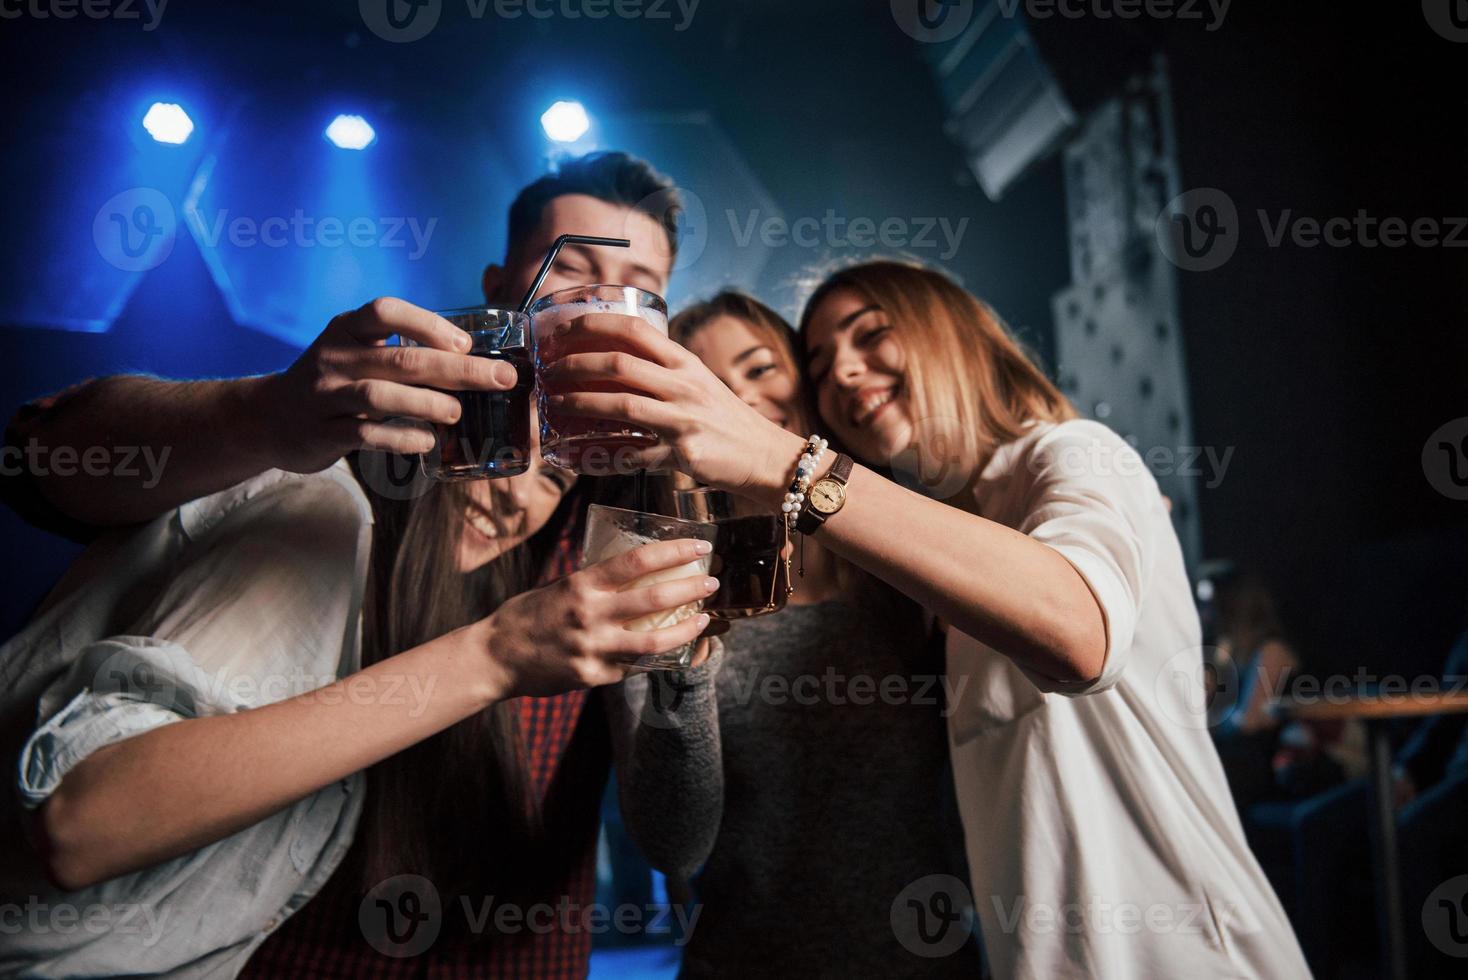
(971, 386)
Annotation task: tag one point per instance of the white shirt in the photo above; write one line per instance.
(1101, 836)
(235, 600)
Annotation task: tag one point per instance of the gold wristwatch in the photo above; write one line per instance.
(825, 497)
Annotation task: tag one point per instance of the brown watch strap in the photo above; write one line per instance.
(810, 519)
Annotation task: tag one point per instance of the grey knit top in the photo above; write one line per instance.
(805, 770)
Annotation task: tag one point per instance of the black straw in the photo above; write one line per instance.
(555, 250)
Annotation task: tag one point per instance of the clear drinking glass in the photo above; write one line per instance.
(754, 578)
(586, 445)
(492, 436)
(611, 531)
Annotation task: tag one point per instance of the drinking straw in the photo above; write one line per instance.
(555, 250)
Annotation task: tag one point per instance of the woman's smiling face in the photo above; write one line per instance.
(502, 513)
(857, 365)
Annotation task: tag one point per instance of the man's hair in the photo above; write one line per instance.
(612, 176)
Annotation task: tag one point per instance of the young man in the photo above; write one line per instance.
(337, 397)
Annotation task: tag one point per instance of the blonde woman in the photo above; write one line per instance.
(1101, 838)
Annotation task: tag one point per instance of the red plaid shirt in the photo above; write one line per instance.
(567, 744)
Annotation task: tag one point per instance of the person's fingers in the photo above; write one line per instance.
(405, 440)
(579, 371)
(618, 406)
(717, 627)
(378, 399)
(432, 368)
(619, 331)
(615, 573)
(374, 322)
(663, 596)
(621, 642)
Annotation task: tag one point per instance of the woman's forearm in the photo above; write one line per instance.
(669, 765)
(1001, 587)
(182, 786)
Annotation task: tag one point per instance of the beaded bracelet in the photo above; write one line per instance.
(805, 468)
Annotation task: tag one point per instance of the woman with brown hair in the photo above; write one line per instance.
(219, 744)
(816, 728)
(1100, 834)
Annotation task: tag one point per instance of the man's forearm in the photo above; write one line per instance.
(125, 449)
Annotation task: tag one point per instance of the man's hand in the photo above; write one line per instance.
(207, 436)
(340, 393)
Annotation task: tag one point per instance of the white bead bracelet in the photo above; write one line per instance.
(805, 468)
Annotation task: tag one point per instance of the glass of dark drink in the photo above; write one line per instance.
(593, 446)
(492, 436)
(749, 559)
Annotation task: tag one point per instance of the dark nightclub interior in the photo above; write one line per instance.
(1233, 233)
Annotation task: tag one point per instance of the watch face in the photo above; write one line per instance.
(827, 496)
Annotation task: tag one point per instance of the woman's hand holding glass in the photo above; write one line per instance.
(572, 634)
(705, 430)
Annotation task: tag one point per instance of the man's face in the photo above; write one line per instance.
(646, 264)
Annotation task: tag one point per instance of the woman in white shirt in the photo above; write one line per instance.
(1101, 838)
(213, 686)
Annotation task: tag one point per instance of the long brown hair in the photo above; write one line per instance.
(457, 807)
(968, 378)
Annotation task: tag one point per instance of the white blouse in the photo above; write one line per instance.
(1101, 836)
(239, 599)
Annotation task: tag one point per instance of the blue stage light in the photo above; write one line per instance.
(565, 122)
(166, 122)
(350, 133)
